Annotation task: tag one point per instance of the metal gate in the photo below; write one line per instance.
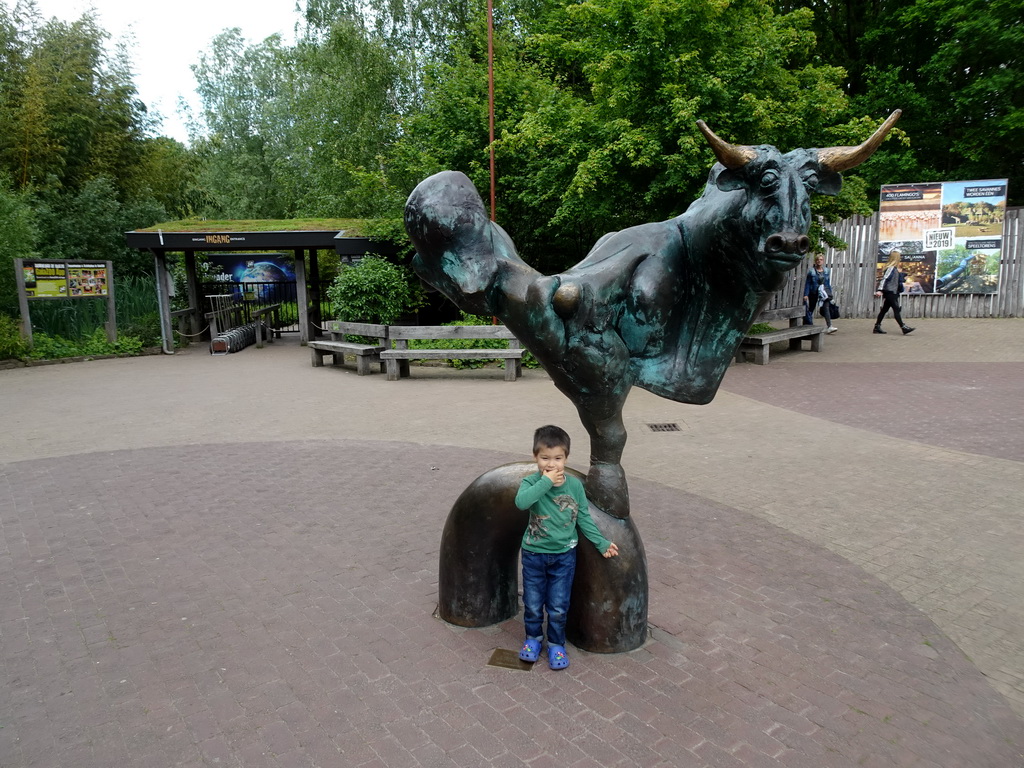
(254, 296)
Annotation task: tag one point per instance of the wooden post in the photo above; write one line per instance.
(163, 302)
(302, 296)
(314, 293)
(111, 306)
(192, 287)
(26, 318)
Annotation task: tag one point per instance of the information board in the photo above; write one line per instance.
(950, 234)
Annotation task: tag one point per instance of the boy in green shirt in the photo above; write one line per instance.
(558, 506)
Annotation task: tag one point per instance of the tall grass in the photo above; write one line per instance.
(77, 319)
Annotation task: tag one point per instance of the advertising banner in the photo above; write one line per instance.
(253, 273)
(64, 279)
(950, 234)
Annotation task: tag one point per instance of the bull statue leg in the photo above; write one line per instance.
(606, 481)
(478, 576)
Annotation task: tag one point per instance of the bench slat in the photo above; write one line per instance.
(357, 329)
(449, 354)
(345, 346)
(770, 337)
(450, 332)
(365, 354)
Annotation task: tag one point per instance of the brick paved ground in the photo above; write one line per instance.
(221, 561)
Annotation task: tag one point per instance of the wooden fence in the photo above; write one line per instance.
(853, 276)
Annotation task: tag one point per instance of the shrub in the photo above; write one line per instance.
(374, 291)
(47, 347)
(146, 327)
(127, 344)
(12, 346)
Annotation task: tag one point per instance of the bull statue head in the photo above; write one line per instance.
(662, 306)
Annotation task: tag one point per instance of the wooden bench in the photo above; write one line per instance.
(758, 345)
(365, 354)
(786, 304)
(397, 359)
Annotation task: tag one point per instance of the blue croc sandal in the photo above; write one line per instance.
(530, 650)
(557, 657)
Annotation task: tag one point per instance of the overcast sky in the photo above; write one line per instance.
(171, 34)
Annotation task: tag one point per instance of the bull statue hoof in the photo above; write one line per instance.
(478, 581)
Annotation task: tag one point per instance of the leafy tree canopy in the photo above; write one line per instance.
(953, 66)
(75, 144)
(596, 105)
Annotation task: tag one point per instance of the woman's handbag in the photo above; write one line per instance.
(833, 310)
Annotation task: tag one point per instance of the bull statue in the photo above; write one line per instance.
(662, 306)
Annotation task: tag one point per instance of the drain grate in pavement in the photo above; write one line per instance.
(664, 427)
(508, 660)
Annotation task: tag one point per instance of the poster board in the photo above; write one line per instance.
(950, 234)
(65, 279)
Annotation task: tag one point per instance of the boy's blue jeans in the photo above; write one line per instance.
(547, 584)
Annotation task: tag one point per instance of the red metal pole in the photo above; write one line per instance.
(490, 92)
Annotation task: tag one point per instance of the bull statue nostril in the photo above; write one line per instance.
(787, 242)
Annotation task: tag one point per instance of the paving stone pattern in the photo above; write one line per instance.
(273, 607)
(937, 403)
(231, 560)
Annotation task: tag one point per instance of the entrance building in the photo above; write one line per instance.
(192, 238)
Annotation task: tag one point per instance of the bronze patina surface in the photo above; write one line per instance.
(662, 306)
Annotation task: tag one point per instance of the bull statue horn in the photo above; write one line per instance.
(732, 156)
(839, 159)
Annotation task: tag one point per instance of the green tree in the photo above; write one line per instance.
(953, 66)
(90, 224)
(167, 171)
(345, 122)
(73, 137)
(243, 145)
(18, 236)
(596, 105)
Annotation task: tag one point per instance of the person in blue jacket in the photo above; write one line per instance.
(818, 291)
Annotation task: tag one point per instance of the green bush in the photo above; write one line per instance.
(47, 347)
(529, 361)
(12, 346)
(374, 291)
(146, 327)
(130, 345)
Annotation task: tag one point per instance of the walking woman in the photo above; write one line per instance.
(818, 290)
(889, 288)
